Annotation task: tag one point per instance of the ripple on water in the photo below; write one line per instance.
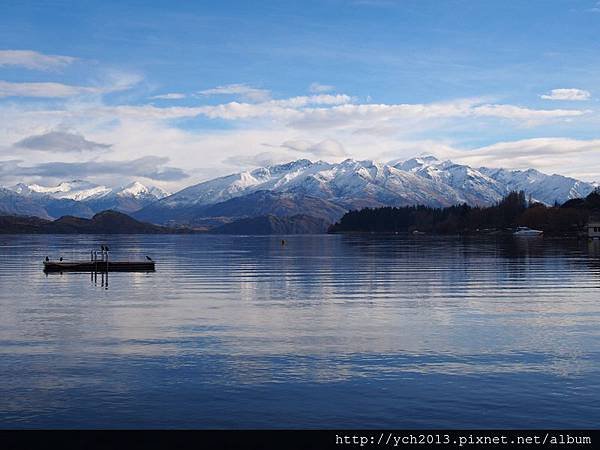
(328, 331)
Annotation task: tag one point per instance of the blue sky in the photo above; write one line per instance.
(189, 90)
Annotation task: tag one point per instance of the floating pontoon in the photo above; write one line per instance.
(99, 262)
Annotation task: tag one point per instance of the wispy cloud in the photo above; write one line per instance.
(318, 88)
(60, 141)
(243, 90)
(44, 90)
(152, 167)
(324, 149)
(595, 8)
(30, 59)
(261, 159)
(169, 96)
(566, 156)
(113, 82)
(567, 94)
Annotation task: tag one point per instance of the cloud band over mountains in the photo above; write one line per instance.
(151, 167)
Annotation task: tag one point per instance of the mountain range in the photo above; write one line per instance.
(75, 198)
(326, 190)
(300, 189)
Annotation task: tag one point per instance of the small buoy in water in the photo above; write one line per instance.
(283, 242)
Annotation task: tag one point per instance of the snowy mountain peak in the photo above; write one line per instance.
(137, 190)
(74, 190)
(293, 165)
(414, 164)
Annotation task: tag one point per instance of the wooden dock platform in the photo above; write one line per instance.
(99, 266)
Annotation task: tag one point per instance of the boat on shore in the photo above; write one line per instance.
(525, 231)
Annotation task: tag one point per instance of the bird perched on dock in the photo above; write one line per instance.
(47, 259)
(148, 258)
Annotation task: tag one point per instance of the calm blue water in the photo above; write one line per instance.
(325, 332)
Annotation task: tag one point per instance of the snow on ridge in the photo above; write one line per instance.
(81, 190)
(136, 189)
(421, 180)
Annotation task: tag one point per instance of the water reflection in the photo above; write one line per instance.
(322, 331)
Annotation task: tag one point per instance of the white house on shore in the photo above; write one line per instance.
(593, 227)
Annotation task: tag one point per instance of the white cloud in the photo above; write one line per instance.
(367, 116)
(43, 90)
(170, 96)
(151, 167)
(595, 8)
(243, 90)
(336, 111)
(318, 88)
(574, 157)
(567, 94)
(323, 149)
(113, 82)
(33, 60)
(261, 159)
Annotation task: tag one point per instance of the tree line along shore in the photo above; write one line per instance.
(514, 210)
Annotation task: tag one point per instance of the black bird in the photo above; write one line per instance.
(47, 259)
(148, 258)
(60, 259)
(102, 247)
(106, 247)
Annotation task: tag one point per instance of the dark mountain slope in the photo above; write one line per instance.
(260, 203)
(299, 224)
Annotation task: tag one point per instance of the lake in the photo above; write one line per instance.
(323, 332)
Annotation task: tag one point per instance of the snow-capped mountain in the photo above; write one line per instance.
(354, 184)
(81, 198)
(138, 190)
(349, 182)
(12, 203)
(130, 198)
(319, 188)
(82, 190)
(79, 190)
(545, 188)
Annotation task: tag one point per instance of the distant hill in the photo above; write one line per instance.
(299, 224)
(106, 222)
